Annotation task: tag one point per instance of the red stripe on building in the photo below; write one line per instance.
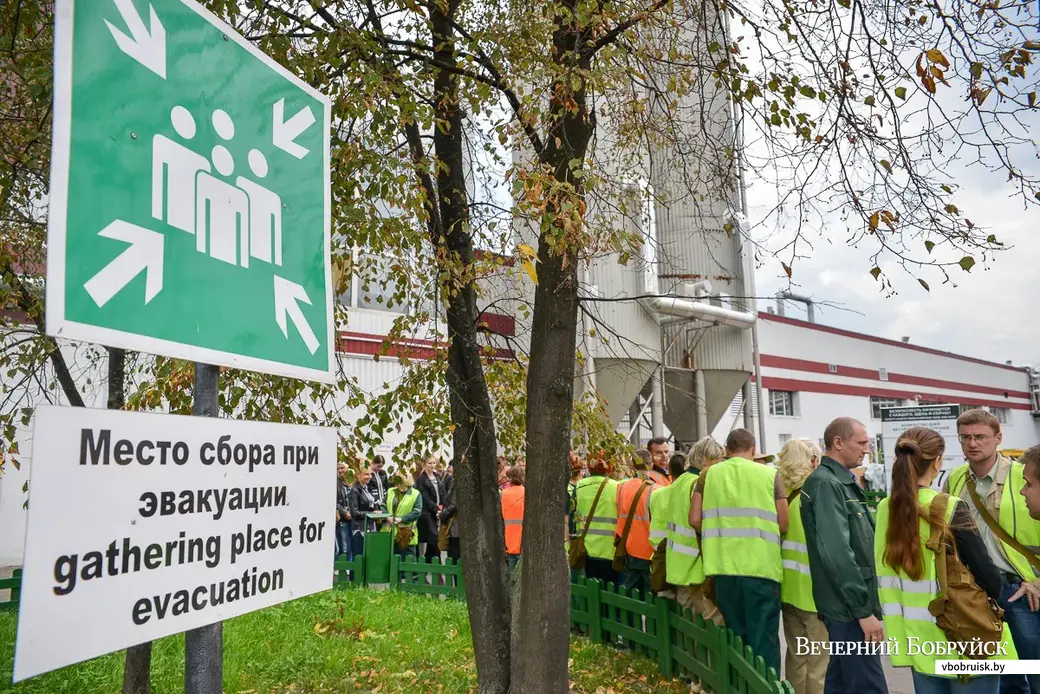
(499, 324)
(773, 318)
(797, 386)
(364, 344)
(872, 375)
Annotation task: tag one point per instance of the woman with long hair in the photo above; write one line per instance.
(906, 567)
(806, 672)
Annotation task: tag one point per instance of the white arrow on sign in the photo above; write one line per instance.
(149, 49)
(145, 254)
(287, 296)
(286, 131)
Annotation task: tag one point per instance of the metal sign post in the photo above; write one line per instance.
(204, 646)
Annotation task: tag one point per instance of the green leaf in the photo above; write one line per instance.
(929, 245)
(901, 92)
(887, 165)
(967, 263)
(876, 272)
(924, 284)
(869, 101)
(808, 91)
(976, 70)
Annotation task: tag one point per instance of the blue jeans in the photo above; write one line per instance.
(852, 674)
(930, 684)
(343, 540)
(1025, 632)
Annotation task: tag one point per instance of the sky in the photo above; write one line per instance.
(989, 313)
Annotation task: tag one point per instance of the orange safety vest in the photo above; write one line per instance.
(659, 478)
(638, 544)
(513, 515)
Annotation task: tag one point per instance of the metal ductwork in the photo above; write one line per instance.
(700, 310)
(791, 296)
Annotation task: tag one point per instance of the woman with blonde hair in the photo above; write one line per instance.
(908, 580)
(705, 453)
(807, 673)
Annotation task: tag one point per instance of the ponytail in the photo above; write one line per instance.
(916, 450)
(903, 540)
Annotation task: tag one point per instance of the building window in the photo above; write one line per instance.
(784, 438)
(877, 403)
(781, 403)
(377, 289)
(1002, 414)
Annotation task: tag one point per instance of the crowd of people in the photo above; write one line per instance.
(744, 542)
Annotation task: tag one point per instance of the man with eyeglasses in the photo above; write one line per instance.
(991, 486)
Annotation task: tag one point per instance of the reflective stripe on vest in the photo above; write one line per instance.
(402, 508)
(740, 535)
(684, 565)
(513, 517)
(796, 585)
(638, 543)
(599, 542)
(1012, 516)
(904, 601)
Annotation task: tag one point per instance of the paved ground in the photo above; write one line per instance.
(899, 679)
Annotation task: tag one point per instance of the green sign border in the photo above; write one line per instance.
(57, 323)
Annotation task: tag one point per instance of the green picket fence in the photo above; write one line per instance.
(14, 584)
(682, 643)
(349, 572)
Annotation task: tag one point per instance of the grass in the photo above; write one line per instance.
(353, 640)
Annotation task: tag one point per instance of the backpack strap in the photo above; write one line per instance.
(935, 540)
(592, 511)
(994, 526)
(632, 512)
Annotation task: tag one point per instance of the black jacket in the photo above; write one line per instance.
(342, 500)
(373, 486)
(433, 496)
(362, 502)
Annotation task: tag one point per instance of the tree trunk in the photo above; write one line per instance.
(476, 474)
(539, 661)
(138, 665)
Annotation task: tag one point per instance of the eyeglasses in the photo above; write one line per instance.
(968, 438)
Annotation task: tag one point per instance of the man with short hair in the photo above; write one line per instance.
(991, 485)
(740, 508)
(659, 452)
(379, 484)
(1031, 493)
(839, 537)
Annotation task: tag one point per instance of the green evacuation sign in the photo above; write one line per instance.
(189, 200)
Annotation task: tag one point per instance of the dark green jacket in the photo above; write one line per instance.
(839, 532)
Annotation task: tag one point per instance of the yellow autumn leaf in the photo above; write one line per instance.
(528, 267)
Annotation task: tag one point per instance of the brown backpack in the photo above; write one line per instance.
(963, 610)
(659, 567)
(577, 555)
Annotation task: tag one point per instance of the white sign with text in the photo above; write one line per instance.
(144, 525)
(941, 418)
